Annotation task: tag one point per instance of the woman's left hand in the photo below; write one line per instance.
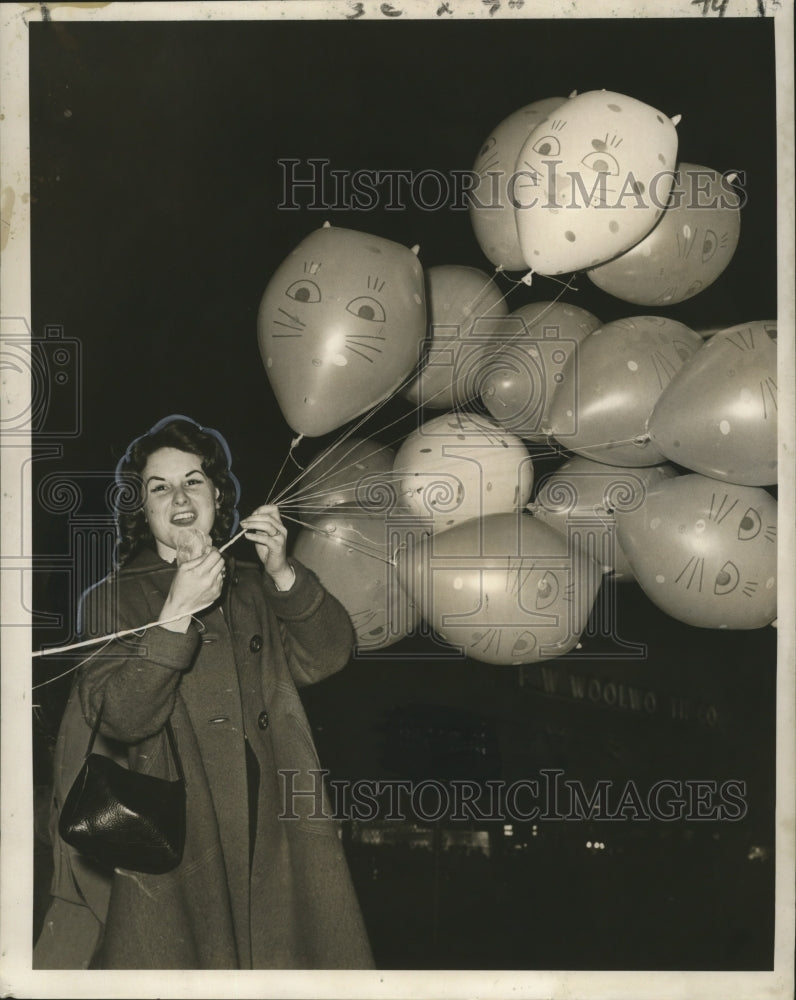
(264, 527)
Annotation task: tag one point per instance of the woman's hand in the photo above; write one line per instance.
(264, 527)
(196, 585)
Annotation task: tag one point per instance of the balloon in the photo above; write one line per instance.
(344, 473)
(491, 208)
(340, 326)
(519, 379)
(719, 415)
(507, 588)
(353, 556)
(705, 552)
(459, 466)
(585, 495)
(459, 300)
(686, 251)
(610, 385)
(597, 175)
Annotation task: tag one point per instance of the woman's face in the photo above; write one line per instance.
(177, 494)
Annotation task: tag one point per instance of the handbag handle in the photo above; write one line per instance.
(169, 734)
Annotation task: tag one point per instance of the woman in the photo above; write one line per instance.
(253, 890)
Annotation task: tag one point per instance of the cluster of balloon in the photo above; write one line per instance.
(340, 326)
(506, 588)
(704, 551)
(732, 434)
(688, 248)
(610, 385)
(493, 198)
(519, 378)
(581, 498)
(596, 176)
(461, 303)
(673, 431)
(461, 466)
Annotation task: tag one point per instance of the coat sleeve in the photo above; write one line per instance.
(134, 678)
(316, 632)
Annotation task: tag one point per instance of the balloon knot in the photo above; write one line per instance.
(642, 438)
(527, 279)
(294, 444)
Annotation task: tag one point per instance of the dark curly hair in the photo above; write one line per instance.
(132, 531)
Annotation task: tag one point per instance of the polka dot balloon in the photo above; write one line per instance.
(597, 176)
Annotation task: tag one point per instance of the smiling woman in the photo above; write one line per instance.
(228, 646)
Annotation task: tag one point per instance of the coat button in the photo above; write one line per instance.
(262, 720)
(256, 643)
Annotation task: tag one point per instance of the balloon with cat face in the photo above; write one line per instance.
(352, 555)
(461, 304)
(460, 466)
(718, 416)
(586, 495)
(340, 326)
(686, 251)
(610, 384)
(705, 552)
(597, 176)
(518, 379)
(507, 588)
(491, 208)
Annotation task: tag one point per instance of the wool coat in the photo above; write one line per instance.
(231, 678)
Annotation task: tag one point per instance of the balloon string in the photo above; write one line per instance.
(330, 472)
(299, 495)
(293, 444)
(351, 430)
(64, 673)
(113, 635)
(301, 499)
(347, 542)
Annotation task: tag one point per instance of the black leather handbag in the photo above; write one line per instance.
(122, 819)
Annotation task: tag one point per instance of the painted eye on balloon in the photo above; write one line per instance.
(709, 246)
(601, 162)
(750, 525)
(304, 291)
(726, 579)
(367, 308)
(490, 142)
(546, 591)
(548, 145)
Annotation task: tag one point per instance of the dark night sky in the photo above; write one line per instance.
(155, 229)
